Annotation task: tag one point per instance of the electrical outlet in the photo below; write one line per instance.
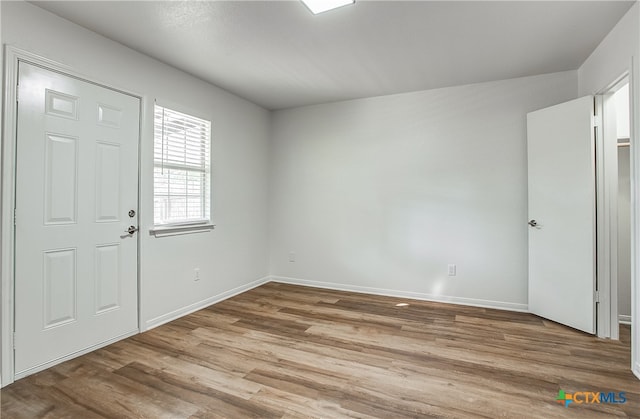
(292, 256)
(451, 270)
(196, 273)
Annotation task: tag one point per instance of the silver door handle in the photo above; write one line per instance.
(131, 229)
(533, 223)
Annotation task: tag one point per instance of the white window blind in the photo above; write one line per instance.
(181, 168)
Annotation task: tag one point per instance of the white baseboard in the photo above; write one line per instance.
(166, 318)
(500, 305)
(624, 319)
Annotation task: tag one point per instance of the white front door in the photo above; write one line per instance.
(562, 213)
(76, 194)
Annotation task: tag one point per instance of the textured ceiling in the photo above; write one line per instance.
(278, 55)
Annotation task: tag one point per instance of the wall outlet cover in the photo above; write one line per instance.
(451, 270)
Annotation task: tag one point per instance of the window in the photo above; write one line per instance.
(181, 181)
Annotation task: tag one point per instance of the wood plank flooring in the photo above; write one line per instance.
(283, 351)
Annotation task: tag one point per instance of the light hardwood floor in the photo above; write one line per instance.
(289, 351)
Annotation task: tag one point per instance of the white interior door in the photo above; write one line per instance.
(562, 207)
(76, 183)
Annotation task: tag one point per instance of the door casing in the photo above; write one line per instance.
(607, 179)
(13, 56)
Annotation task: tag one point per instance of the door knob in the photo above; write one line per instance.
(533, 223)
(131, 229)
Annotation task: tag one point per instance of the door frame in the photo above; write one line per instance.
(12, 57)
(606, 140)
(630, 74)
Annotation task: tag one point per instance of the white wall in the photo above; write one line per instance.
(235, 253)
(612, 58)
(618, 53)
(385, 192)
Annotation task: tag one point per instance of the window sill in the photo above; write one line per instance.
(176, 230)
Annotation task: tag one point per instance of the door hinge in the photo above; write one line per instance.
(596, 296)
(15, 217)
(596, 121)
(14, 340)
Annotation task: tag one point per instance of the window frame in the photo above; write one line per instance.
(183, 226)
